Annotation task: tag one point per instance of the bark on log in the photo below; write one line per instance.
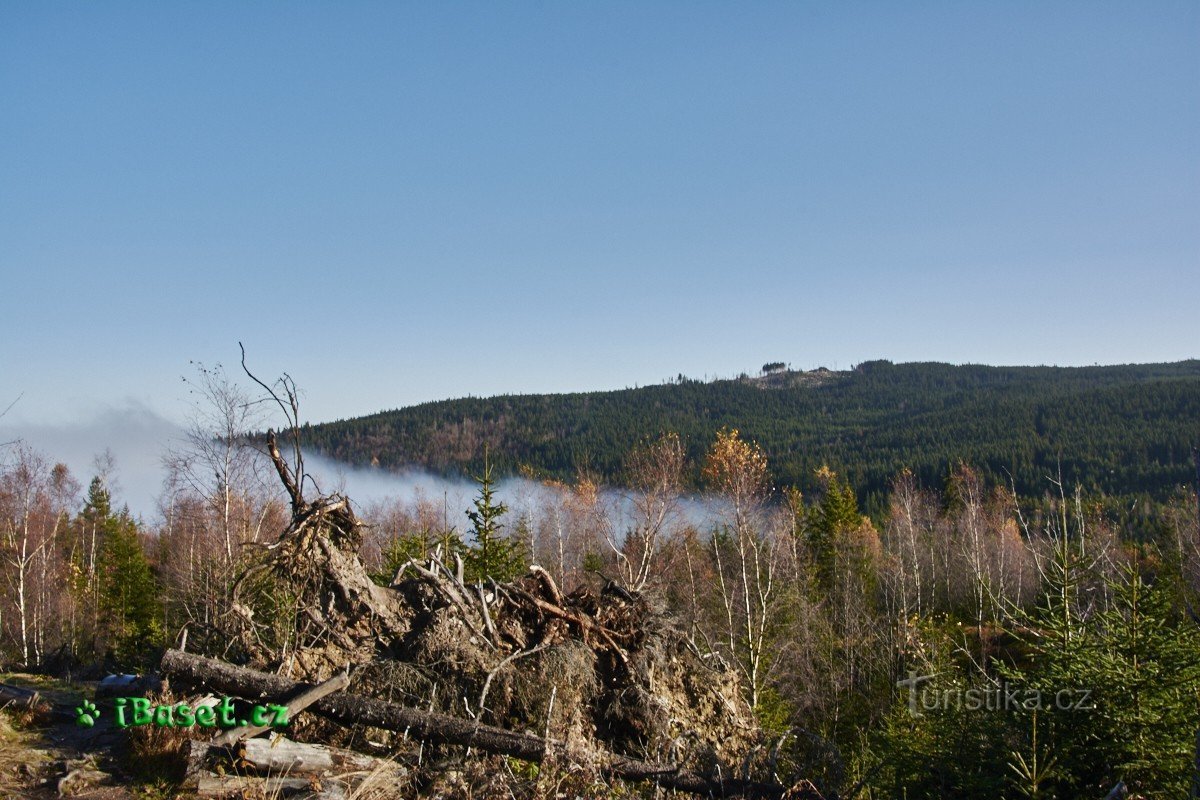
(352, 709)
(286, 757)
(283, 758)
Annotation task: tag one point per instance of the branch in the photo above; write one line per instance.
(291, 412)
(304, 700)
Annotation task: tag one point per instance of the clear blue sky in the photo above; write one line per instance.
(404, 202)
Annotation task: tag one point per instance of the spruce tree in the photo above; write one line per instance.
(116, 584)
(1148, 689)
(128, 595)
(836, 517)
(492, 555)
(1130, 674)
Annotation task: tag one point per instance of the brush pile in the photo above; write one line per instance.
(447, 675)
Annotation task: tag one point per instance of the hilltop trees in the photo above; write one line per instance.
(1120, 430)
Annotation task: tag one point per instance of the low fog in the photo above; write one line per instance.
(128, 444)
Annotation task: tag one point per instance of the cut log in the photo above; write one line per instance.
(283, 756)
(298, 764)
(352, 709)
(225, 785)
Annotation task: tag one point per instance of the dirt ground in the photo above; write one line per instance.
(47, 755)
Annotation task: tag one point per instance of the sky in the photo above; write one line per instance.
(402, 202)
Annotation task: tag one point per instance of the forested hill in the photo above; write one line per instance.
(1121, 429)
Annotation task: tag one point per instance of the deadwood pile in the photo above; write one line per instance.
(450, 684)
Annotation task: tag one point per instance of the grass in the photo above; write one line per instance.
(56, 691)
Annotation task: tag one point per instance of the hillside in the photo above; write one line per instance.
(1120, 429)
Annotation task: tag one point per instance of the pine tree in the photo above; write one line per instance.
(1135, 670)
(128, 595)
(115, 583)
(1148, 688)
(91, 528)
(830, 529)
(492, 555)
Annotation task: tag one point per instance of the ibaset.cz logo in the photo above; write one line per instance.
(134, 711)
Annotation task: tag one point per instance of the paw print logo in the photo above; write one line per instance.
(86, 714)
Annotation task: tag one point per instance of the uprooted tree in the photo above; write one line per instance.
(598, 679)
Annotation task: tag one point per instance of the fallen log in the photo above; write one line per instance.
(284, 756)
(19, 697)
(298, 764)
(226, 785)
(351, 709)
(294, 707)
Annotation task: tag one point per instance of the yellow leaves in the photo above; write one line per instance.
(587, 492)
(825, 475)
(794, 499)
(736, 467)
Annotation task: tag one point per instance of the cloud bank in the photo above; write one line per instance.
(138, 438)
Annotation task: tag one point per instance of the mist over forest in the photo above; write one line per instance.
(636, 401)
(837, 597)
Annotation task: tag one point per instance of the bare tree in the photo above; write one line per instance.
(1180, 517)
(33, 510)
(218, 499)
(908, 542)
(216, 461)
(580, 521)
(286, 396)
(655, 475)
(967, 486)
(4, 413)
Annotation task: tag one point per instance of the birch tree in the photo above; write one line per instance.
(655, 475)
(745, 555)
